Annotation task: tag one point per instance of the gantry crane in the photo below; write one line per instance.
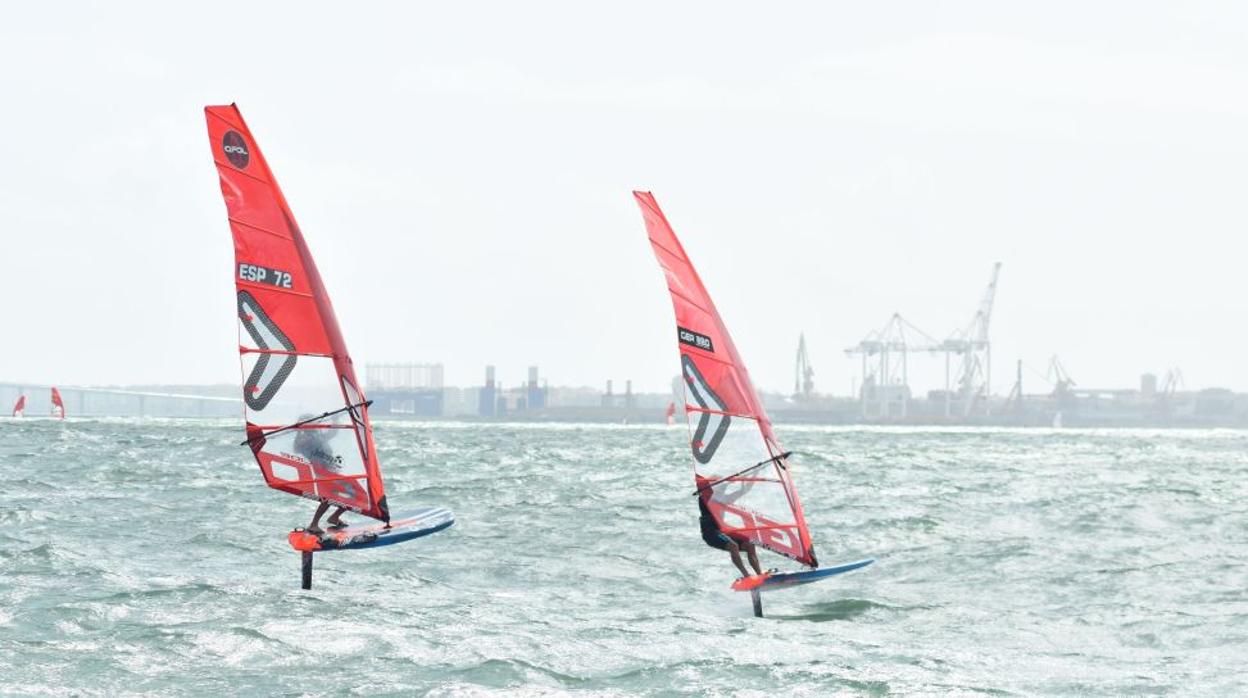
(884, 355)
(1060, 378)
(974, 351)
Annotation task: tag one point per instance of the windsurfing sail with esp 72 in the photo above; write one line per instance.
(19, 407)
(735, 453)
(307, 418)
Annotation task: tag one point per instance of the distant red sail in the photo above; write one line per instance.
(19, 407)
(58, 405)
(739, 467)
(307, 421)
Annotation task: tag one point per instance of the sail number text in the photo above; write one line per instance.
(263, 275)
(694, 339)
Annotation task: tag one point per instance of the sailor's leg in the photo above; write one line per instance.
(315, 526)
(335, 519)
(735, 551)
(752, 552)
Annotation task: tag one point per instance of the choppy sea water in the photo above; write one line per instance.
(147, 557)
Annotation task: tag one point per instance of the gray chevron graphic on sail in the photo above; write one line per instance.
(271, 370)
(715, 424)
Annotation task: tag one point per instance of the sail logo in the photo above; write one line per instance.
(712, 427)
(235, 149)
(694, 339)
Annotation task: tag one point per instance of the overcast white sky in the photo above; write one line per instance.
(462, 172)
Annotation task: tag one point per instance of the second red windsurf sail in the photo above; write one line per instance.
(307, 419)
(736, 456)
(58, 405)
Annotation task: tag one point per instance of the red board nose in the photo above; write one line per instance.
(304, 542)
(747, 583)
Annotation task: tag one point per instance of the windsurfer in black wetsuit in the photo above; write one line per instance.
(314, 445)
(715, 537)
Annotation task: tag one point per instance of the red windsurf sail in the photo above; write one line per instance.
(58, 405)
(307, 419)
(19, 407)
(741, 472)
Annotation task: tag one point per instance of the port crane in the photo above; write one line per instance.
(1060, 378)
(885, 358)
(973, 352)
(885, 355)
(1172, 383)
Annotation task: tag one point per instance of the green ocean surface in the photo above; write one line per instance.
(146, 557)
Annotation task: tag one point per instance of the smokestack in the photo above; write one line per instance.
(487, 405)
(536, 397)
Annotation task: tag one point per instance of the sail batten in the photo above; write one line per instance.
(248, 284)
(295, 364)
(735, 453)
(279, 352)
(283, 234)
(692, 408)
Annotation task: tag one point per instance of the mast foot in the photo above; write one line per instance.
(307, 570)
(756, 597)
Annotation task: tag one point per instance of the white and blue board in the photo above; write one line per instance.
(409, 526)
(786, 580)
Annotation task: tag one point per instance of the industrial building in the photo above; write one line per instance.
(409, 389)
